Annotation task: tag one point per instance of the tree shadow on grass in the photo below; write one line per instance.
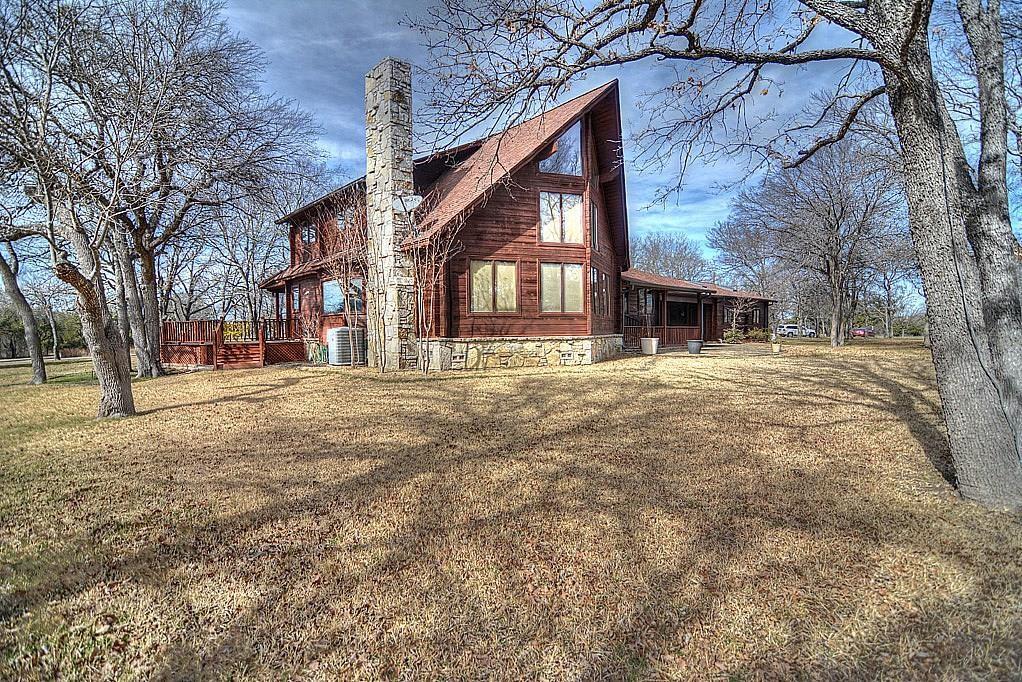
(253, 394)
(536, 525)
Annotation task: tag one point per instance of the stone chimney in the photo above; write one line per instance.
(391, 292)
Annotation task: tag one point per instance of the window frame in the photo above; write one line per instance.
(307, 229)
(517, 312)
(296, 297)
(585, 290)
(599, 292)
(594, 226)
(322, 297)
(353, 293)
(582, 155)
(560, 192)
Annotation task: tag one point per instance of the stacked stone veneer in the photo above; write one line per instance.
(544, 351)
(391, 291)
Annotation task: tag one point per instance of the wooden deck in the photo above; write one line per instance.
(224, 344)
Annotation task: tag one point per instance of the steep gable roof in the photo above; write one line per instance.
(463, 187)
(459, 179)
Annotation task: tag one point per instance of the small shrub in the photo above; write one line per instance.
(758, 334)
(733, 336)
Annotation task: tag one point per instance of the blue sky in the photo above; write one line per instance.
(319, 50)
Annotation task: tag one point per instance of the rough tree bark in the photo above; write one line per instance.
(977, 407)
(107, 347)
(35, 349)
(135, 306)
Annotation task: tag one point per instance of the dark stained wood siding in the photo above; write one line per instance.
(507, 228)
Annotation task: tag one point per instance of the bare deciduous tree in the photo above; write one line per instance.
(10, 266)
(827, 216)
(670, 255)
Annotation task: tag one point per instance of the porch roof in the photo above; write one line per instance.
(650, 279)
(310, 267)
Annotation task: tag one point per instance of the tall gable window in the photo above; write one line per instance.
(560, 287)
(494, 286)
(565, 156)
(560, 217)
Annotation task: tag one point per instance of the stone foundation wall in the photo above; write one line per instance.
(544, 351)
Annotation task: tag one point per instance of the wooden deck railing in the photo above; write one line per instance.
(223, 342)
(190, 331)
(669, 336)
(229, 331)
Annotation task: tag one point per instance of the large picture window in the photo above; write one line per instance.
(560, 217)
(494, 286)
(560, 287)
(334, 303)
(565, 156)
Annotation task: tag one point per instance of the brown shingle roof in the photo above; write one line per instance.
(500, 155)
(737, 293)
(654, 280)
(309, 267)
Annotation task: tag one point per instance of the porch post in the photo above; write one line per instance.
(663, 313)
(262, 345)
(699, 307)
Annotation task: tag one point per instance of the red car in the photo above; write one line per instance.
(863, 331)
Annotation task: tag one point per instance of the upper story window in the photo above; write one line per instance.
(565, 155)
(308, 233)
(494, 286)
(560, 217)
(594, 227)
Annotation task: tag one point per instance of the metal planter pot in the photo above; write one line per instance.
(695, 346)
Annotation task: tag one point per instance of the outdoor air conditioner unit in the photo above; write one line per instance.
(339, 346)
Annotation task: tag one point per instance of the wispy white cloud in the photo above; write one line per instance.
(318, 52)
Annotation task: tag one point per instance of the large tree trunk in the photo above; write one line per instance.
(52, 320)
(147, 355)
(150, 292)
(983, 442)
(109, 358)
(987, 222)
(106, 345)
(28, 321)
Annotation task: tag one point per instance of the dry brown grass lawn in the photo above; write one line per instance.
(675, 517)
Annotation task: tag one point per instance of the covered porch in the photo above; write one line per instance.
(675, 311)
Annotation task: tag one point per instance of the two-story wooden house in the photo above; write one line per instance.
(540, 270)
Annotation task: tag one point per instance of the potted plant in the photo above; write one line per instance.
(648, 343)
(775, 344)
(695, 346)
